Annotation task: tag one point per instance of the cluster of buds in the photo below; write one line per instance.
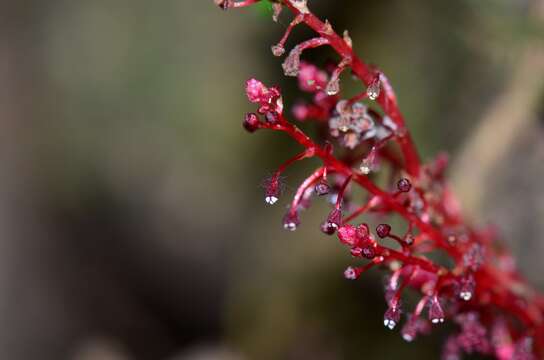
(496, 311)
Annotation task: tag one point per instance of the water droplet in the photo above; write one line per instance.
(365, 167)
(373, 90)
(465, 295)
(333, 86)
(271, 200)
(391, 317)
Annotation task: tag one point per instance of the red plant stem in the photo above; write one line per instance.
(360, 210)
(239, 4)
(366, 75)
(310, 180)
(440, 241)
(342, 191)
(306, 153)
(297, 20)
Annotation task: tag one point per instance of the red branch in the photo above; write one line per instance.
(479, 286)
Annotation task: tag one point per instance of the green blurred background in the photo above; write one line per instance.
(132, 222)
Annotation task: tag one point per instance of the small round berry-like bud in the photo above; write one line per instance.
(409, 330)
(467, 285)
(369, 251)
(383, 230)
(327, 228)
(322, 188)
(347, 234)
(251, 122)
(335, 218)
(404, 185)
(436, 314)
(291, 221)
(391, 317)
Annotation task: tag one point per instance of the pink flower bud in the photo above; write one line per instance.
(383, 230)
(310, 78)
(347, 235)
(255, 90)
(363, 231)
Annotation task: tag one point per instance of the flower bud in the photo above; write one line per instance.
(291, 220)
(272, 189)
(383, 230)
(251, 122)
(335, 218)
(436, 314)
(404, 185)
(322, 188)
(391, 317)
(347, 235)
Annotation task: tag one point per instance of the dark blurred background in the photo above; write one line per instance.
(132, 224)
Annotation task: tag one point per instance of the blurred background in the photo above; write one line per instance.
(132, 224)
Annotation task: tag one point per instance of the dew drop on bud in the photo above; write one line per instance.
(291, 221)
(409, 330)
(391, 317)
(271, 200)
(404, 185)
(365, 167)
(327, 228)
(436, 314)
(467, 285)
(333, 86)
(278, 50)
(334, 219)
(272, 189)
(373, 90)
(322, 188)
